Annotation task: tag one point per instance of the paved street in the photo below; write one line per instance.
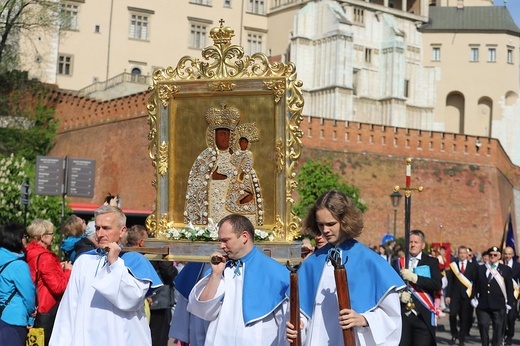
(444, 336)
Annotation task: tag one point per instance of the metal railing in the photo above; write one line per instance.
(124, 77)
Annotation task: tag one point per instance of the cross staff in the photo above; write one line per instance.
(407, 207)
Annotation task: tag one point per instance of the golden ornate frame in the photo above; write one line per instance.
(267, 93)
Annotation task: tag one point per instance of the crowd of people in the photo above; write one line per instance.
(100, 291)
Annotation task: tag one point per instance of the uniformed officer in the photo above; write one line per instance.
(494, 291)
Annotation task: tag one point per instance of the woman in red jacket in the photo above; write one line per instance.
(49, 275)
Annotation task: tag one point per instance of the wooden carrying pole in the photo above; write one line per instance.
(340, 275)
(294, 307)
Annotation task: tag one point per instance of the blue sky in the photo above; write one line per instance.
(514, 8)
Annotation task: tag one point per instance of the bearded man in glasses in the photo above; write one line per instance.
(494, 292)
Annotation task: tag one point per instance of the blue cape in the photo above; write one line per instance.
(370, 277)
(138, 266)
(265, 284)
(188, 277)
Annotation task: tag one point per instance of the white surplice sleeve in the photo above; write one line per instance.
(120, 288)
(207, 310)
(384, 323)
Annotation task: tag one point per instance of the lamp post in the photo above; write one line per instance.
(395, 197)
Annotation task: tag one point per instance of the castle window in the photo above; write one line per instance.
(256, 6)
(254, 43)
(65, 65)
(509, 55)
(368, 55)
(473, 54)
(198, 33)
(436, 53)
(69, 15)
(139, 27)
(359, 16)
(492, 54)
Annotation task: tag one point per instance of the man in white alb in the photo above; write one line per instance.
(243, 297)
(104, 300)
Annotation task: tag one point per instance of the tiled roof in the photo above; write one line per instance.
(471, 19)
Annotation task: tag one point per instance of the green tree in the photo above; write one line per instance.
(24, 18)
(31, 127)
(316, 177)
(30, 132)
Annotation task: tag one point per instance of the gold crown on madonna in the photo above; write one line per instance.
(224, 117)
(222, 34)
(248, 131)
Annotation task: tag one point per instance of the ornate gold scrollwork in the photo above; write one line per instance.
(163, 159)
(166, 92)
(278, 229)
(280, 156)
(221, 86)
(278, 88)
(151, 225)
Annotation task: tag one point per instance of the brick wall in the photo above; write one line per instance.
(467, 189)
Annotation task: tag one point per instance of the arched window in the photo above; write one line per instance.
(136, 71)
(485, 115)
(511, 98)
(455, 105)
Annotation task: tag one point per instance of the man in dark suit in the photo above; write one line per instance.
(459, 293)
(417, 308)
(494, 289)
(509, 260)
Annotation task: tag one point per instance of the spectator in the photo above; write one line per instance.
(16, 287)
(88, 241)
(73, 230)
(48, 274)
(307, 247)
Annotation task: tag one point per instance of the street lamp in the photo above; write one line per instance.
(395, 197)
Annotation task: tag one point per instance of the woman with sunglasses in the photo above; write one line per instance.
(49, 275)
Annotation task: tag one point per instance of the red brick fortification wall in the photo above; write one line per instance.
(461, 197)
(468, 189)
(115, 134)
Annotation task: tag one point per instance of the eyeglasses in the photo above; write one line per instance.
(494, 254)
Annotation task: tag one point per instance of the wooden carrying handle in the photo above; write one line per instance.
(218, 259)
(340, 275)
(294, 309)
